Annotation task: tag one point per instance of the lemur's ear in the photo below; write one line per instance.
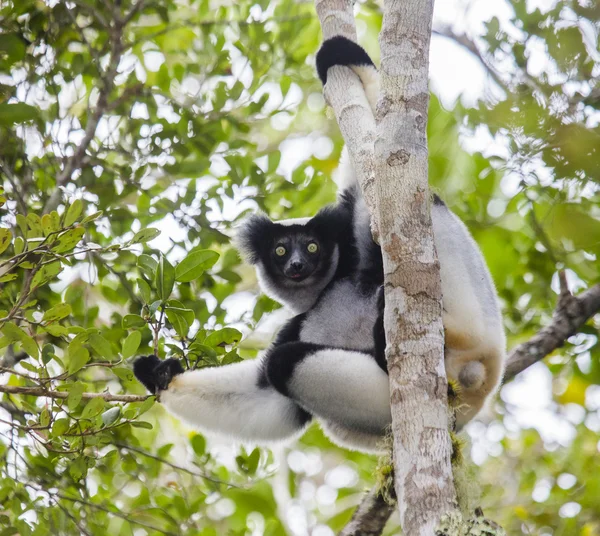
(251, 236)
(340, 50)
(332, 221)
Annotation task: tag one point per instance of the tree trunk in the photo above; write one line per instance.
(393, 176)
(413, 312)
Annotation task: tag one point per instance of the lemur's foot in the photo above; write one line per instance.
(154, 373)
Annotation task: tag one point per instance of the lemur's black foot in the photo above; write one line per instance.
(154, 373)
(340, 50)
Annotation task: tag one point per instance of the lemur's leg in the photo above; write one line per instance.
(344, 387)
(475, 342)
(233, 400)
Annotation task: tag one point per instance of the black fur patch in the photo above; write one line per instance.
(281, 361)
(340, 51)
(154, 373)
(379, 333)
(258, 236)
(437, 200)
(290, 332)
(143, 368)
(251, 235)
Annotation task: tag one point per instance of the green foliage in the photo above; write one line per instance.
(133, 136)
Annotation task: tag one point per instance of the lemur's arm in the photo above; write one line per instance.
(475, 342)
(233, 400)
(273, 398)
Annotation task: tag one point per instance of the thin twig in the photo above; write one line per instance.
(39, 391)
(174, 466)
(570, 314)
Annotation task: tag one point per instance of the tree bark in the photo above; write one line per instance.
(393, 177)
(413, 312)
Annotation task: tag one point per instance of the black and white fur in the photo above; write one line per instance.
(328, 362)
(295, 277)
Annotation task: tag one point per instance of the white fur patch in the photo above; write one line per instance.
(227, 401)
(343, 387)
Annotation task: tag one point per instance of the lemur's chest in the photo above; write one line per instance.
(344, 318)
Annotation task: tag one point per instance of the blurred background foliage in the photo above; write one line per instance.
(135, 134)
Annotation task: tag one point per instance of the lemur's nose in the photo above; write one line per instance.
(297, 265)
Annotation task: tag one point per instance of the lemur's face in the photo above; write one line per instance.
(296, 256)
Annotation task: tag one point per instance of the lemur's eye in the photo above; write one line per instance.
(280, 251)
(312, 247)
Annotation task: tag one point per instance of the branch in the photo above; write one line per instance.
(370, 516)
(570, 314)
(76, 160)
(345, 94)
(174, 466)
(470, 45)
(40, 391)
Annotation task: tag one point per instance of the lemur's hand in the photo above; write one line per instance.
(154, 373)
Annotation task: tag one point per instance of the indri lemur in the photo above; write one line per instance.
(328, 362)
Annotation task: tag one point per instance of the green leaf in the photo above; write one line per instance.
(141, 424)
(111, 415)
(34, 222)
(47, 353)
(145, 235)
(15, 334)
(73, 212)
(45, 417)
(47, 273)
(92, 217)
(146, 405)
(133, 321)
(165, 278)
(68, 240)
(8, 277)
(78, 357)
(58, 312)
(131, 344)
(124, 374)
(253, 461)
(5, 238)
(202, 350)
(75, 393)
(147, 265)
(199, 444)
(77, 469)
(60, 426)
(92, 408)
(178, 320)
(19, 245)
(195, 264)
(144, 290)
(223, 336)
(50, 222)
(17, 112)
(101, 346)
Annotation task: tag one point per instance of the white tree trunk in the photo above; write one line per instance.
(413, 311)
(392, 172)
(346, 96)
